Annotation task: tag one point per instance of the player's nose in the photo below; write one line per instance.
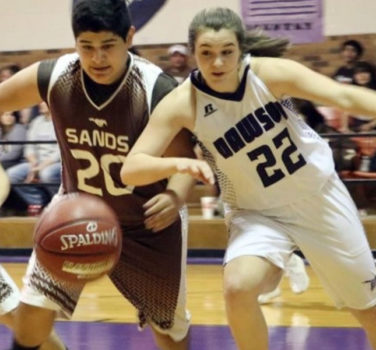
(98, 56)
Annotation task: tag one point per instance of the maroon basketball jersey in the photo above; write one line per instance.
(95, 137)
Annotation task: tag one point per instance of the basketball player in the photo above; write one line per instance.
(100, 100)
(9, 293)
(276, 175)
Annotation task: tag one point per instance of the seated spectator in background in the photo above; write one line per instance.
(42, 161)
(343, 148)
(364, 75)
(134, 50)
(7, 71)
(11, 130)
(178, 63)
(351, 51)
(311, 115)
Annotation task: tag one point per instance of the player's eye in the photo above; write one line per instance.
(227, 52)
(205, 53)
(87, 47)
(107, 46)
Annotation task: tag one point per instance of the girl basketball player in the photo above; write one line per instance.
(276, 175)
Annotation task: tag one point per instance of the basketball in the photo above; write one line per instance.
(78, 238)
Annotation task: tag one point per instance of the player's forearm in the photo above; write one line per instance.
(142, 169)
(21, 90)
(358, 100)
(181, 185)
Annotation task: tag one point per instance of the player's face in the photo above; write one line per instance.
(217, 55)
(103, 55)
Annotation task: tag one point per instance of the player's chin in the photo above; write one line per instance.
(101, 78)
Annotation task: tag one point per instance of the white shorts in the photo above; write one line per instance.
(70, 293)
(9, 293)
(326, 228)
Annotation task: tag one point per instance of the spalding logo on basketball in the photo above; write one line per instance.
(78, 238)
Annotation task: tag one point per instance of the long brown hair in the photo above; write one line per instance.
(254, 42)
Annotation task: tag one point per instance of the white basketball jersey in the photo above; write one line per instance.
(263, 153)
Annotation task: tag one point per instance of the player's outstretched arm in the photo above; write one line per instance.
(20, 90)
(144, 164)
(141, 169)
(288, 78)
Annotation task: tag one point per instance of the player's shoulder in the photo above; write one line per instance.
(58, 66)
(182, 95)
(65, 60)
(180, 102)
(144, 66)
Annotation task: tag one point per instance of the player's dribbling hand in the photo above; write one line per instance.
(199, 169)
(161, 211)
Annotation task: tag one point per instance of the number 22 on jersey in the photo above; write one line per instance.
(291, 158)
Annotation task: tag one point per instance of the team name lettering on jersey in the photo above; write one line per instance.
(249, 128)
(98, 138)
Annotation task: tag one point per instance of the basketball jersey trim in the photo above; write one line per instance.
(45, 69)
(58, 70)
(197, 81)
(113, 95)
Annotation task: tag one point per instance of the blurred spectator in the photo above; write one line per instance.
(343, 148)
(178, 62)
(365, 76)
(351, 51)
(42, 161)
(7, 71)
(11, 130)
(134, 50)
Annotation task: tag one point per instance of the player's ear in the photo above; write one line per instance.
(130, 34)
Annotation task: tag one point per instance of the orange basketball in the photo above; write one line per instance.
(78, 238)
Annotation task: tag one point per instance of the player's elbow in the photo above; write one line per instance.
(128, 172)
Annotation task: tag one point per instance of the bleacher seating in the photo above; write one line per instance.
(207, 234)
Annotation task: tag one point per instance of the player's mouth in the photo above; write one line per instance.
(100, 70)
(218, 74)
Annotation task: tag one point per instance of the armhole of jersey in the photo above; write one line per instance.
(44, 75)
(163, 85)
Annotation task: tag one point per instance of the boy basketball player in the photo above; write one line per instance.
(100, 99)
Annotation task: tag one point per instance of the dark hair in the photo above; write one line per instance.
(366, 67)
(135, 51)
(13, 68)
(100, 15)
(312, 116)
(356, 45)
(254, 42)
(15, 114)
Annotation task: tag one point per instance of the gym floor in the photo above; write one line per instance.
(103, 320)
